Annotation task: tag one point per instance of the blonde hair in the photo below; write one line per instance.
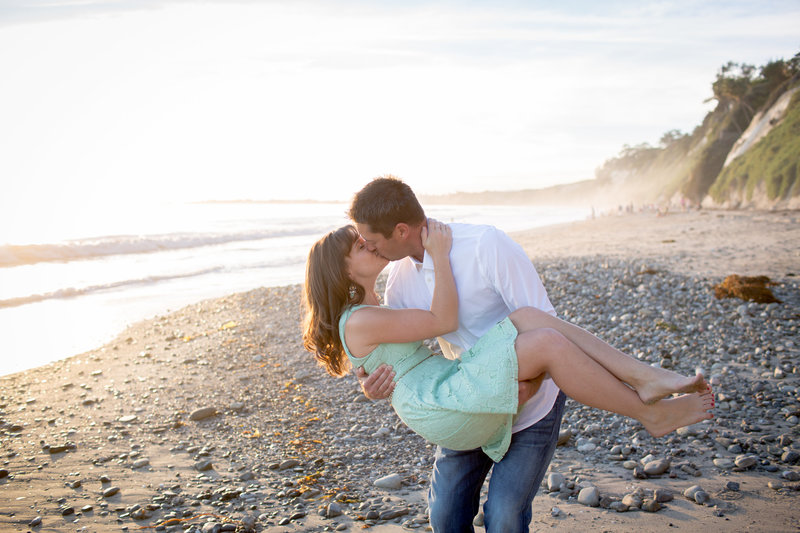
(328, 291)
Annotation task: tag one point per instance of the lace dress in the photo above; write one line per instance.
(459, 404)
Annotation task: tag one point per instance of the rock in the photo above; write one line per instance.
(651, 506)
(775, 484)
(35, 522)
(391, 482)
(632, 500)
(563, 437)
(554, 481)
(141, 463)
(211, 527)
(657, 467)
(391, 514)
(203, 413)
(59, 448)
(724, 463)
(618, 507)
(203, 466)
(701, 497)
(745, 461)
(288, 463)
(4, 473)
(111, 491)
(332, 510)
(555, 511)
(790, 475)
(790, 457)
(690, 492)
(128, 419)
(662, 495)
(589, 496)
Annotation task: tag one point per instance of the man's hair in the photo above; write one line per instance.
(385, 202)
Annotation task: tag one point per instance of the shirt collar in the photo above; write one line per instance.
(426, 264)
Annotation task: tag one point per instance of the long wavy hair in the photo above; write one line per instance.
(327, 292)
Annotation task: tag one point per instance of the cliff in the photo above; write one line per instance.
(745, 154)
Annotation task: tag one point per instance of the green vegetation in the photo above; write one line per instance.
(773, 161)
(690, 166)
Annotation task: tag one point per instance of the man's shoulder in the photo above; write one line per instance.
(470, 235)
(471, 231)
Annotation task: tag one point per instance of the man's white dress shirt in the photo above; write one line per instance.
(493, 277)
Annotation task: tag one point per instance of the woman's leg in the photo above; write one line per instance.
(588, 382)
(651, 383)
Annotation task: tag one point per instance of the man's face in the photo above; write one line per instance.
(391, 248)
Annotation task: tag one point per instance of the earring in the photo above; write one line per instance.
(352, 291)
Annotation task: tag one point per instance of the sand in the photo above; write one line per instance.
(124, 410)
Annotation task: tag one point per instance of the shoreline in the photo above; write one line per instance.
(215, 413)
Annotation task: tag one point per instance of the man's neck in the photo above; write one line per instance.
(418, 252)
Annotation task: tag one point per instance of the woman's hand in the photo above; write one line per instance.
(437, 238)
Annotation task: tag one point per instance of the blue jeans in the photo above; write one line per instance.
(457, 478)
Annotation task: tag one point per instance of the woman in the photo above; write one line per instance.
(470, 402)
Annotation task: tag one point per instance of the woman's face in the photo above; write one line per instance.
(363, 265)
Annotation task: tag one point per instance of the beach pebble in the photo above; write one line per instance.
(288, 463)
(724, 463)
(790, 475)
(662, 495)
(203, 413)
(632, 500)
(111, 491)
(589, 496)
(618, 506)
(774, 484)
(691, 491)
(657, 467)
(333, 510)
(651, 506)
(204, 466)
(391, 482)
(555, 481)
(35, 522)
(745, 461)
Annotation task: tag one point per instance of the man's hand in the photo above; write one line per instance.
(379, 384)
(526, 389)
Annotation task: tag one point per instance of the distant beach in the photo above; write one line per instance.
(214, 416)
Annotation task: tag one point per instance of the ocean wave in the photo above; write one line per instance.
(28, 254)
(71, 292)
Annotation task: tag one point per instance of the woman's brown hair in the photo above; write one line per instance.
(327, 292)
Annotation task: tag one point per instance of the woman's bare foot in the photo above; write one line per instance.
(662, 383)
(669, 414)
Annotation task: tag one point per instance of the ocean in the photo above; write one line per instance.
(74, 284)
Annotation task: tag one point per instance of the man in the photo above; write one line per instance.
(494, 277)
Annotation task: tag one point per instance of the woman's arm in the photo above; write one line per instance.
(371, 326)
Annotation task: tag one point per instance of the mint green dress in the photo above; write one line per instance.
(461, 404)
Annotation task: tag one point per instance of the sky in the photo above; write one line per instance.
(106, 101)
